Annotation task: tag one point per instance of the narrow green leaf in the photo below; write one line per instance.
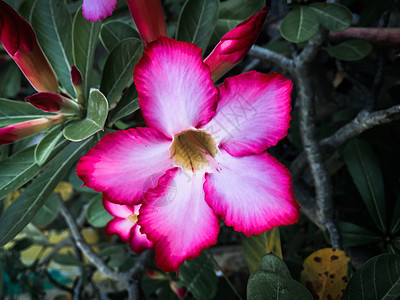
(95, 118)
(353, 235)
(273, 281)
(378, 278)
(118, 70)
(10, 78)
(25, 207)
(197, 21)
(395, 225)
(13, 112)
(366, 173)
(198, 277)
(53, 27)
(300, 25)
(333, 16)
(114, 32)
(350, 50)
(85, 35)
(47, 143)
(21, 167)
(96, 215)
(127, 105)
(48, 212)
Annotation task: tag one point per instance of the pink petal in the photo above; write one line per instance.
(253, 113)
(251, 193)
(119, 226)
(149, 18)
(95, 10)
(174, 86)
(177, 220)
(117, 210)
(139, 241)
(125, 164)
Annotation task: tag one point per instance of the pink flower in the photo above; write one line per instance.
(19, 40)
(15, 132)
(202, 156)
(149, 18)
(234, 45)
(96, 10)
(125, 225)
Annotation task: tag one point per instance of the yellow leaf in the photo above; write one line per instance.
(65, 190)
(325, 273)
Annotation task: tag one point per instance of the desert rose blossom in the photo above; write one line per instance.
(19, 40)
(96, 10)
(204, 150)
(16, 132)
(149, 18)
(234, 45)
(125, 225)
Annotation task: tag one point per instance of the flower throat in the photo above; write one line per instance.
(192, 149)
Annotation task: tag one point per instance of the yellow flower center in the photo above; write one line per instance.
(133, 218)
(192, 149)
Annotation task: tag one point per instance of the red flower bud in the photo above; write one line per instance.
(149, 18)
(16, 132)
(76, 76)
(56, 103)
(235, 44)
(19, 40)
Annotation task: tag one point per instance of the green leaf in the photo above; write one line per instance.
(231, 13)
(127, 105)
(273, 281)
(10, 78)
(114, 32)
(19, 168)
(53, 27)
(84, 39)
(395, 225)
(350, 50)
(378, 278)
(47, 143)
(333, 16)
(366, 173)
(300, 25)
(23, 209)
(48, 212)
(198, 277)
(118, 70)
(197, 21)
(13, 112)
(96, 215)
(353, 235)
(67, 260)
(95, 118)
(254, 247)
(23, 244)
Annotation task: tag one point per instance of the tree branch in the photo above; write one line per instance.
(276, 58)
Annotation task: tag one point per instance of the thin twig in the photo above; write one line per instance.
(84, 247)
(56, 283)
(362, 122)
(276, 58)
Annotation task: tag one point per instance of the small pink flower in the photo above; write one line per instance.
(125, 225)
(149, 18)
(96, 10)
(16, 132)
(19, 40)
(202, 156)
(234, 45)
